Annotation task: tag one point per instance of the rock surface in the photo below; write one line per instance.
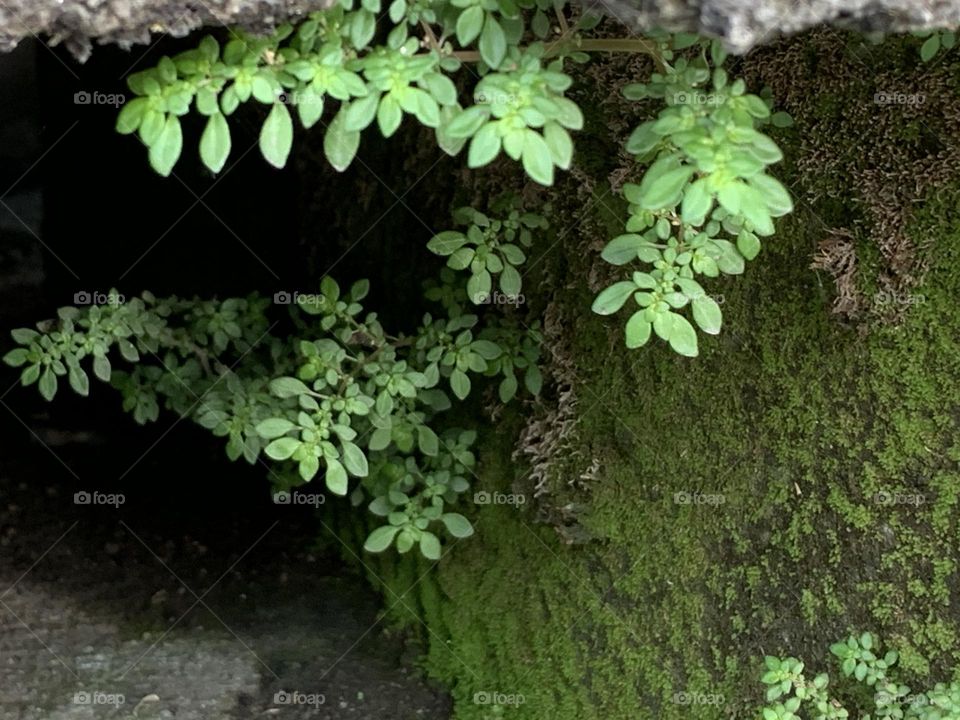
(742, 24)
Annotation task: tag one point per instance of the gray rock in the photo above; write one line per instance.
(742, 24)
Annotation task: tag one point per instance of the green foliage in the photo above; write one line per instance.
(489, 247)
(935, 41)
(789, 691)
(342, 398)
(331, 61)
(705, 179)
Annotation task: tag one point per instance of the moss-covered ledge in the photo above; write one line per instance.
(797, 481)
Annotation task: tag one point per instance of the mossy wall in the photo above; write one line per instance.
(797, 481)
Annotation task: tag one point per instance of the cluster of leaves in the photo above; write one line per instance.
(341, 398)
(790, 692)
(935, 41)
(705, 179)
(330, 62)
(490, 246)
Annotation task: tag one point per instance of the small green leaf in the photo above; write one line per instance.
(48, 384)
(613, 298)
(274, 428)
(697, 202)
(537, 159)
(665, 191)
(339, 144)
(493, 42)
(132, 114)
(79, 381)
(683, 338)
(446, 242)
(430, 546)
(637, 330)
(16, 357)
(427, 441)
(389, 115)
(276, 136)
(336, 477)
(361, 112)
(930, 47)
(282, 448)
(460, 384)
(510, 281)
(469, 24)
(165, 152)
(287, 387)
(457, 525)
(484, 146)
(215, 142)
(707, 314)
(465, 124)
(381, 538)
(354, 459)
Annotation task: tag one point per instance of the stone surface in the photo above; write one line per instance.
(742, 24)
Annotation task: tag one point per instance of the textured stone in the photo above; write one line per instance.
(742, 24)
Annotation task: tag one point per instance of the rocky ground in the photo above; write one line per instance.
(145, 611)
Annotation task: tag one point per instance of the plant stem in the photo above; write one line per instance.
(610, 45)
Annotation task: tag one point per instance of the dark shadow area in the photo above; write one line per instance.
(180, 542)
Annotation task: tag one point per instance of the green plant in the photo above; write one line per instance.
(490, 246)
(705, 179)
(706, 158)
(340, 396)
(330, 59)
(789, 691)
(935, 40)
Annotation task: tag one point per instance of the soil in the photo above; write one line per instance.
(172, 606)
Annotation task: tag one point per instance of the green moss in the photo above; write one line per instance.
(795, 482)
